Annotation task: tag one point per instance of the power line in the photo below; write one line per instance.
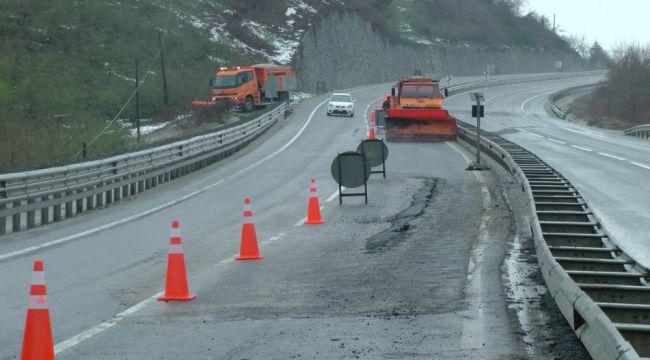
(134, 92)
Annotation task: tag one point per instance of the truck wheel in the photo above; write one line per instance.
(248, 104)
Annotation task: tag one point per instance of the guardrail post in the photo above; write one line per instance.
(3, 219)
(31, 214)
(56, 216)
(69, 210)
(45, 210)
(80, 203)
(99, 199)
(16, 218)
(90, 199)
(118, 192)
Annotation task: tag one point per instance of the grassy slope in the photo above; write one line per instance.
(67, 66)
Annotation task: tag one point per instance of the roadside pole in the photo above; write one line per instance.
(478, 112)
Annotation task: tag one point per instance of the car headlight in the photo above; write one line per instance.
(349, 106)
(330, 105)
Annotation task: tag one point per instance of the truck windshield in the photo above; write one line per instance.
(420, 91)
(225, 81)
(341, 98)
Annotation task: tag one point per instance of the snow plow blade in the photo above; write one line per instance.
(203, 104)
(420, 125)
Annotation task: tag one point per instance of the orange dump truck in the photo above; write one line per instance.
(413, 112)
(250, 86)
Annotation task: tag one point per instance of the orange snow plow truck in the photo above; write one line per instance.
(250, 86)
(413, 112)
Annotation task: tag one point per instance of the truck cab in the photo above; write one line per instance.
(417, 92)
(239, 85)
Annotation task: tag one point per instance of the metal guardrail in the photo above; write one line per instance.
(601, 291)
(32, 198)
(561, 111)
(460, 88)
(642, 131)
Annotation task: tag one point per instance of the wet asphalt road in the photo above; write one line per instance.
(608, 168)
(415, 274)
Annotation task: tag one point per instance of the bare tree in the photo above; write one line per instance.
(579, 44)
(515, 6)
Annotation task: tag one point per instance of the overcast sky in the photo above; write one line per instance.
(609, 22)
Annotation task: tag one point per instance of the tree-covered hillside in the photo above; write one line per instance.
(67, 67)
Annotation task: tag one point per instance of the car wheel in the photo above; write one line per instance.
(352, 114)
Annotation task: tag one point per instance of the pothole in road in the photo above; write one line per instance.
(402, 223)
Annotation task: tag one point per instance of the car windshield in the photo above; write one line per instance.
(341, 98)
(420, 91)
(225, 81)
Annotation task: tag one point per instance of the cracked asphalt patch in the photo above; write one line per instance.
(402, 222)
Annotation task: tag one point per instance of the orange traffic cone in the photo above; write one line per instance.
(313, 212)
(37, 341)
(248, 249)
(371, 131)
(176, 282)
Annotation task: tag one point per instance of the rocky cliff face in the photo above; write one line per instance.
(344, 51)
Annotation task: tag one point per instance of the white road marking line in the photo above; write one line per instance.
(165, 205)
(88, 333)
(523, 104)
(557, 141)
(532, 133)
(640, 165)
(276, 237)
(586, 133)
(581, 148)
(334, 195)
(611, 156)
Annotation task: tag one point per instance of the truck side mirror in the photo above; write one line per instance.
(392, 91)
(446, 92)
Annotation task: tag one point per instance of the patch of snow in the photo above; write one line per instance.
(182, 117)
(296, 97)
(290, 11)
(284, 50)
(303, 6)
(217, 60)
(147, 129)
(405, 27)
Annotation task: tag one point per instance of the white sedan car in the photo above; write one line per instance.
(340, 104)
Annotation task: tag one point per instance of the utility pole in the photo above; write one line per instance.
(164, 74)
(554, 23)
(137, 100)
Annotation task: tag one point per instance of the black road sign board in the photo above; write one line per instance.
(475, 111)
(376, 153)
(351, 169)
